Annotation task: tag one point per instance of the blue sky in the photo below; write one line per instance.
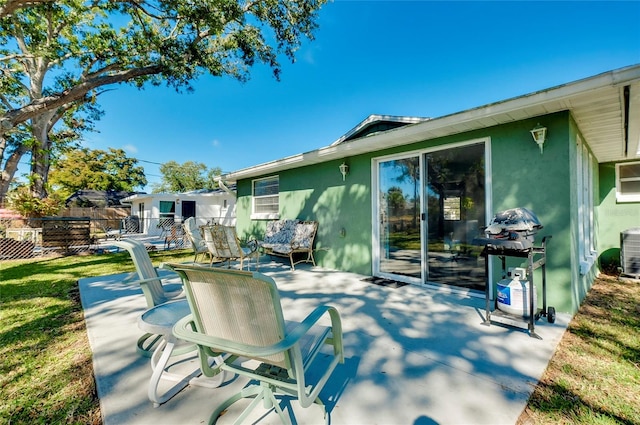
(414, 58)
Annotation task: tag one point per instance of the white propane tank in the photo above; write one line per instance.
(513, 293)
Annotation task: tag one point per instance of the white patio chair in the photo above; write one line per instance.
(151, 283)
(194, 234)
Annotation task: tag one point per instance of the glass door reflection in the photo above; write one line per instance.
(399, 198)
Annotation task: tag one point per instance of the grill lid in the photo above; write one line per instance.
(514, 220)
(512, 229)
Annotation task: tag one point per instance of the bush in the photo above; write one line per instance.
(24, 203)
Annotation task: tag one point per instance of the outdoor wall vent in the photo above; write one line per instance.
(630, 252)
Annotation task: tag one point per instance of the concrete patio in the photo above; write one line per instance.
(413, 355)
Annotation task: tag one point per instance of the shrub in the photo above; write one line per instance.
(24, 203)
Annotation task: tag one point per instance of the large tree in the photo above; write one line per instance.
(7, 7)
(96, 169)
(178, 178)
(56, 56)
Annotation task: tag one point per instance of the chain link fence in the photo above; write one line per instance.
(74, 231)
(22, 238)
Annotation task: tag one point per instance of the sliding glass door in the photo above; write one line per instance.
(455, 193)
(430, 207)
(399, 203)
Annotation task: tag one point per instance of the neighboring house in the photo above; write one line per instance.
(97, 198)
(153, 211)
(416, 192)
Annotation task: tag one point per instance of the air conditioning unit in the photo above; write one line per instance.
(630, 252)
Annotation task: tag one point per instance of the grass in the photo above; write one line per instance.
(46, 374)
(594, 375)
(46, 371)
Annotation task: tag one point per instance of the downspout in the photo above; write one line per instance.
(626, 120)
(225, 188)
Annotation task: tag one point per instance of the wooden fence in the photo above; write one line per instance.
(71, 231)
(101, 218)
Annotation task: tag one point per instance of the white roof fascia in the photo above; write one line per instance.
(549, 101)
(172, 196)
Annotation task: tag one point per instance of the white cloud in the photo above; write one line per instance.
(309, 58)
(130, 148)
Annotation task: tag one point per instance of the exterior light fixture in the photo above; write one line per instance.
(539, 134)
(177, 201)
(344, 169)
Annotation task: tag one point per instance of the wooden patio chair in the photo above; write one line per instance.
(239, 313)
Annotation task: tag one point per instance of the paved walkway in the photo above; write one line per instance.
(413, 355)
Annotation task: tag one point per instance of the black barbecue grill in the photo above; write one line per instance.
(511, 233)
(513, 229)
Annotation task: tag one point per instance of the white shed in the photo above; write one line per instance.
(157, 210)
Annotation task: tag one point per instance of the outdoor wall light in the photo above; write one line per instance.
(539, 134)
(344, 169)
(177, 201)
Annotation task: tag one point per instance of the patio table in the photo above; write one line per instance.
(160, 320)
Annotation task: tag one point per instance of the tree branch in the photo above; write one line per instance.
(11, 6)
(16, 116)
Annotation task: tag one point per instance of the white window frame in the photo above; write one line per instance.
(274, 215)
(586, 231)
(167, 215)
(620, 195)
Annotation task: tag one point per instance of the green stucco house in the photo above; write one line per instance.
(415, 192)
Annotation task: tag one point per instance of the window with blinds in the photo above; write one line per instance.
(628, 182)
(266, 197)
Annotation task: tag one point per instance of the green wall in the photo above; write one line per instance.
(541, 182)
(520, 177)
(342, 209)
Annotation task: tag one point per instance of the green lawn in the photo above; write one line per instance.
(46, 374)
(594, 376)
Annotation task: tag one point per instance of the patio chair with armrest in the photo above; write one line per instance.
(223, 243)
(239, 313)
(110, 232)
(151, 283)
(194, 235)
(175, 236)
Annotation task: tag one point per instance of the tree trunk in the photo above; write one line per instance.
(10, 168)
(40, 155)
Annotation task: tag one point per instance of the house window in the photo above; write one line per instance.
(628, 182)
(586, 231)
(266, 198)
(167, 213)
